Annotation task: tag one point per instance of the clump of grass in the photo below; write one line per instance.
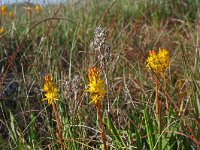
(57, 40)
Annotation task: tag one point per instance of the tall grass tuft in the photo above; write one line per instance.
(59, 39)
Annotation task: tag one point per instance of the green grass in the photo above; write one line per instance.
(58, 41)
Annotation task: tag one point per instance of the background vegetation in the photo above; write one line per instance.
(59, 41)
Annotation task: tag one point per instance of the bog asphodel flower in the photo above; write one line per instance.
(163, 56)
(37, 8)
(159, 62)
(96, 86)
(51, 91)
(12, 16)
(3, 10)
(2, 30)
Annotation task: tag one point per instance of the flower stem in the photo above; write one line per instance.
(158, 113)
(167, 100)
(102, 126)
(59, 126)
(157, 102)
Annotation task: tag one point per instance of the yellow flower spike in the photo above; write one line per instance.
(51, 91)
(37, 8)
(151, 60)
(3, 10)
(97, 91)
(163, 56)
(2, 30)
(51, 94)
(158, 62)
(12, 16)
(93, 74)
(96, 86)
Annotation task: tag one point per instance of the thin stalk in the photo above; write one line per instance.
(166, 99)
(107, 87)
(102, 126)
(157, 102)
(59, 126)
(158, 113)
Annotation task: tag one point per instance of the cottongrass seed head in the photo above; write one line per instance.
(101, 47)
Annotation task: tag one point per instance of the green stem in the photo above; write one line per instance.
(166, 99)
(158, 113)
(157, 103)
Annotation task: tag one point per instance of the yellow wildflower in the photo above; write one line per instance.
(37, 8)
(158, 62)
(93, 74)
(2, 30)
(11, 14)
(51, 91)
(163, 56)
(96, 86)
(3, 10)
